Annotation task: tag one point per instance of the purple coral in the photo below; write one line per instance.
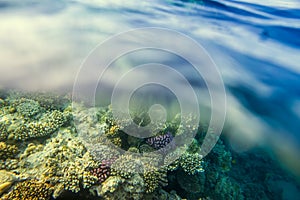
(160, 141)
(103, 171)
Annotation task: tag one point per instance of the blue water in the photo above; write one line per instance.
(255, 45)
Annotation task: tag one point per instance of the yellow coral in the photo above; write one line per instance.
(154, 177)
(7, 151)
(113, 129)
(30, 189)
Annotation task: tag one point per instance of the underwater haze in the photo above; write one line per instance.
(255, 45)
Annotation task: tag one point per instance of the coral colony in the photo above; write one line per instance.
(162, 143)
(44, 154)
(103, 171)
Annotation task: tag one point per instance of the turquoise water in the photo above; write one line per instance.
(255, 46)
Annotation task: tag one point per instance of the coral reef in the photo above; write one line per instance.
(113, 134)
(145, 148)
(23, 118)
(74, 177)
(63, 162)
(45, 153)
(30, 149)
(30, 189)
(95, 127)
(162, 195)
(221, 157)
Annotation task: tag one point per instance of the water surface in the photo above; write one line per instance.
(255, 45)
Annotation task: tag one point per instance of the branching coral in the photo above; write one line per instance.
(74, 176)
(154, 178)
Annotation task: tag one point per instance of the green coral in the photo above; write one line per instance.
(31, 148)
(135, 187)
(222, 157)
(191, 183)
(26, 107)
(217, 184)
(145, 148)
(129, 165)
(190, 163)
(227, 189)
(113, 134)
(2, 102)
